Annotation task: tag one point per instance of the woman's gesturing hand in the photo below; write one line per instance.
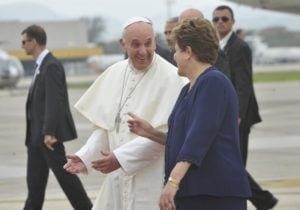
(139, 126)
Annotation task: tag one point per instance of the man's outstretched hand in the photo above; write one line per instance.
(74, 165)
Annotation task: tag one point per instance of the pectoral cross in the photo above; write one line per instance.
(118, 121)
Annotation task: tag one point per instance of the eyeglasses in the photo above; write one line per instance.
(24, 41)
(223, 18)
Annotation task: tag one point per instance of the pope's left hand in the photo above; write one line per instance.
(107, 163)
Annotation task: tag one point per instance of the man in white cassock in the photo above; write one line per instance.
(147, 85)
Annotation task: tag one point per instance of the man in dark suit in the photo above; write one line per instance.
(239, 57)
(49, 124)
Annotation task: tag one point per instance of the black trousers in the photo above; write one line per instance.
(259, 196)
(40, 160)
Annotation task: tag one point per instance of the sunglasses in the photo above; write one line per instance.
(223, 18)
(24, 41)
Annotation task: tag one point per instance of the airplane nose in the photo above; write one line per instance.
(11, 70)
(5, 74)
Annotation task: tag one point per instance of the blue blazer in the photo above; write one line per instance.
(203, 130)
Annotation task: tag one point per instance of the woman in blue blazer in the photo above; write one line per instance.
(203, 166)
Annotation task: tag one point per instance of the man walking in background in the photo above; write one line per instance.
(239, 56)
(49, 124)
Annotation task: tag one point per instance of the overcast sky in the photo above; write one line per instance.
(121, 8)
(157, 10)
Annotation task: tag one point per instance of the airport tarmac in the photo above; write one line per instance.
(274, 150)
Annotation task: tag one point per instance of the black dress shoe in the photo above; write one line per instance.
(269, 205)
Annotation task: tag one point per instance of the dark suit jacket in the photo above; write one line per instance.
(222, 63)
(47, 106)
(239, 56)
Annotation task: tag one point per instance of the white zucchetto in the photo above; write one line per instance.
(136, 19)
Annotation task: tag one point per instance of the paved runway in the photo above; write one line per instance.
(274, 156)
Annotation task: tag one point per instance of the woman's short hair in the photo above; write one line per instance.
(201, 36)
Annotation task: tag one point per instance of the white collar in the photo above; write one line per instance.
(224, 41)
(41, 57)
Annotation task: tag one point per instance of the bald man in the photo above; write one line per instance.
(190, 13)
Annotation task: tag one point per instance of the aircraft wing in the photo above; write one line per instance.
(289, 6)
